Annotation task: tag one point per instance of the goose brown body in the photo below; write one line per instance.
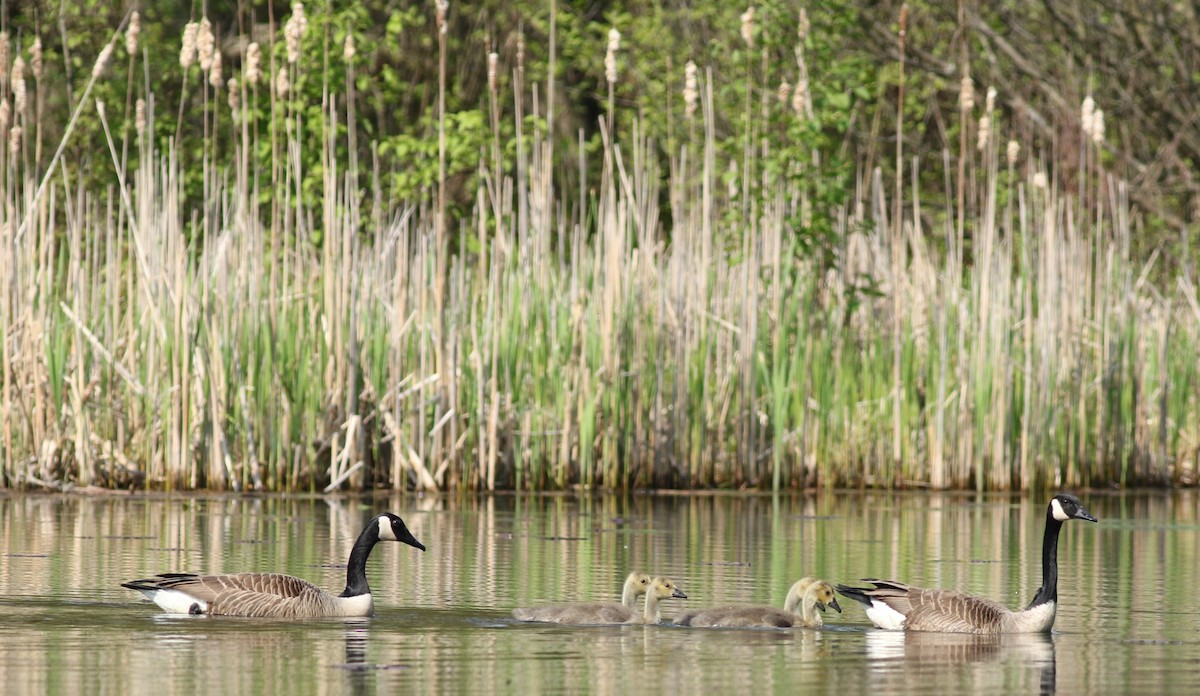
(276, 595)
(897, 606)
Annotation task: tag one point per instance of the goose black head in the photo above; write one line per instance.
(392, 528)
(1065, 506)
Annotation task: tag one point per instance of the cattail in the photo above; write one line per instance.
(748, 26)
(253, 64)
(1087, 114)
(5, 115)
(102, 61)
(610, 56)
(691, 89)
(131, 34)
(731, 180)
(348, 49)
(785, 91)
(800, 97)
(521, 53)
(966, 94)
(282, 86)
(985, 131)
(443, 6)
(234, 95)
(20, 96)
(14, 139)
(493, 68)
(214, 72)
(139, 116)
(187, 54)
(1098, 126)
(804, 26)
(293, 32)
(990, 102)
(1040, 181)
(1013, 151)
(36, 63)
(206, 45)
(4, 46)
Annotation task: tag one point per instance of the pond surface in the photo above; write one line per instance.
(1128, 619)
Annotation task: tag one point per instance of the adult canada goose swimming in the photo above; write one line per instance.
(895, 606)
(275, 595)
(799, 610)
(597, 614)
(636, 585)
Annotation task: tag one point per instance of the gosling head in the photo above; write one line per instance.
(638, 583)
(665, 588)
(1065, 506)
(821, 594)
(391, 528)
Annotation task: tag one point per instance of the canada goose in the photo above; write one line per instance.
(799, 610)
(635, 586)
(275, 595)
(595, 614)
(895, 606)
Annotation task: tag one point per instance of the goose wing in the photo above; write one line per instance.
(209, 587)
(939, 610)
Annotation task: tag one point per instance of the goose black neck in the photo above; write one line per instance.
(1048, 592)
(356, 569)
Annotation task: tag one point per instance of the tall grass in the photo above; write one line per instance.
(331, 341)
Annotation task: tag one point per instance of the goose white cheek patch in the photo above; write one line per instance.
(1057, 511)
(385, 530)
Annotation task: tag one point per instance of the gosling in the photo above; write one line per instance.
(606, 614)
(799, 610)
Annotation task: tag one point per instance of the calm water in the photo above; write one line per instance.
(1129, 616)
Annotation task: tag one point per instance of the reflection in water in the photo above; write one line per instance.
(1021, 660)
(1127, 615)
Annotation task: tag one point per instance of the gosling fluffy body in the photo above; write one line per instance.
(800, 607)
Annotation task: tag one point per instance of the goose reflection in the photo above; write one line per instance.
(920, 656)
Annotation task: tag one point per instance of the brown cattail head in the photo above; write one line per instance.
(442, 7)
(691, 89)
(20, 95)
(1013, 151)
(610, 55)
(985, 131)
(493, 72)
(1098, 126)
(235, 95)
(293, 32)
(5, 115)
(14, 140)
(903, 21)
(1087, 114)
(139, 116)
(966, 94)
(187, 53)
(800, 97)
(214, 71)
(990, 100)
(348, 49)
(282, 86)
(804, 25)
(132, 32)
(37, 63)
(102, 61)
(253, 64)
(785, 92)
(4, 49)
(206, 45)
(748, 26)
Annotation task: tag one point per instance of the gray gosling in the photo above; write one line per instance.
(896, 606)
(799, 610)
(275, 595)
(636, 585)
(602, 614)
